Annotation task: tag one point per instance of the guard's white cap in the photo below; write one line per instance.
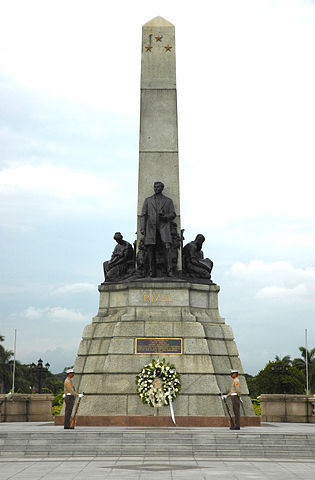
(70, 370)
(234, 371)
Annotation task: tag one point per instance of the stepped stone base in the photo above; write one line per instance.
(150, 421)
(107, 365)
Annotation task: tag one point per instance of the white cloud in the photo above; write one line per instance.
(43, 332)
(54, 314)
(280, 271)
(74, 288)
(60, 182)
(300, 291)
(291, 238)
(59, 357)
(70, 64)
(249, 123)
(278, 280)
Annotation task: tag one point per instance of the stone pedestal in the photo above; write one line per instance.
(107, 365)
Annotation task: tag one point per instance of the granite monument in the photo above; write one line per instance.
(160, 296)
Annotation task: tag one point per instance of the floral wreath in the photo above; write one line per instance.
(156, 381)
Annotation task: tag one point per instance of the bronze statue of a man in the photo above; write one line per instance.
(194, 263)
(121, 262)
(155, 224)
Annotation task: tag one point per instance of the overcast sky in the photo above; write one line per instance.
(69, 126)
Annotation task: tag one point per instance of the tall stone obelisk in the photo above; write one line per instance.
(158, 142)
(141, 318)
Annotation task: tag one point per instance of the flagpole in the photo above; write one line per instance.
(306, 361)
(13, 379)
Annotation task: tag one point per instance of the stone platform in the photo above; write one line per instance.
(107, 362)
(269, 441)
(154, 421)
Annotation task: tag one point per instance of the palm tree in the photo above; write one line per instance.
(300, 363)
(285, 360)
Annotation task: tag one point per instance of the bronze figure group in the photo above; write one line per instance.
(158, 249)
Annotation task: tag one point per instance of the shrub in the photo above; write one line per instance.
(57, 403)
(257, 406)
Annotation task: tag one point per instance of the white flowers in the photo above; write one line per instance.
(154, 382)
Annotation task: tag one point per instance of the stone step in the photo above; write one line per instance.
(302, 454)
(154, 443)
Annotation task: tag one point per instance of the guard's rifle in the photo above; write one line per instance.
(227, 409)
(74, 418)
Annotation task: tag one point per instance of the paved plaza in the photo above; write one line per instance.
(153, 466)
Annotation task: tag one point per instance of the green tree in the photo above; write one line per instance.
(252, 385)
(6, 368)
(285, 360)
(26, 377)
(26, 380)
(53, 383)
(273, 380)
(300, 364)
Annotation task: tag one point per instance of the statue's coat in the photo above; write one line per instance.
(150, 222)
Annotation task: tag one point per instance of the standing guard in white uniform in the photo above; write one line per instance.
(235, 394)
(69, 396)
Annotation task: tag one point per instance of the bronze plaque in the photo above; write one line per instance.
(149, 345)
